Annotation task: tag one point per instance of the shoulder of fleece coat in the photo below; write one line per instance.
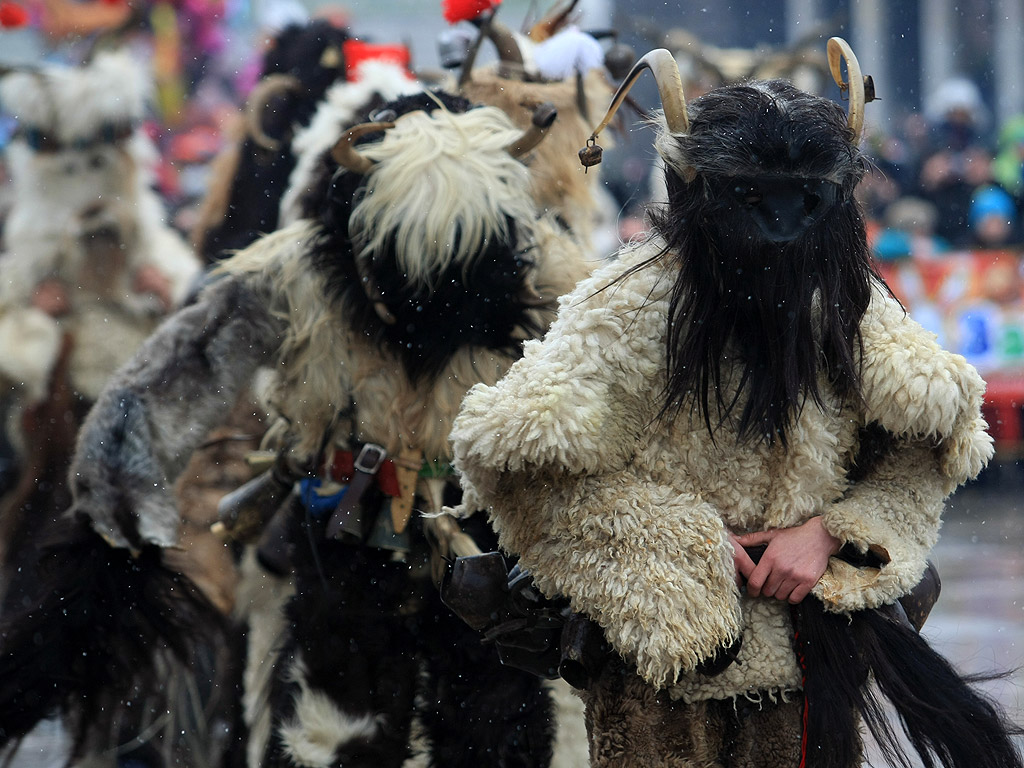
(571, 401)
(914, 388)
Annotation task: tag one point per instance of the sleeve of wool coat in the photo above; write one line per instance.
(548, 451)
(929, 401)
(160, 406)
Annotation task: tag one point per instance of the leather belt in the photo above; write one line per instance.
(365, 468)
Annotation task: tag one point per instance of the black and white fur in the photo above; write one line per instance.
(289, 303)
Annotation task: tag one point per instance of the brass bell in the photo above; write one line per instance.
(590, 155)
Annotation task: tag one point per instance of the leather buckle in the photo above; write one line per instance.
(370, 457)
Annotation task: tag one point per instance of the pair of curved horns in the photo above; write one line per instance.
(859, 90)
(543, 118)
(662, 64)
(345, 154)
(259, 99)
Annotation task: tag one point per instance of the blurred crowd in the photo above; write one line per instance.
(944, 178)
(947, 180)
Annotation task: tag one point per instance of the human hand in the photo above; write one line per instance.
(794, 560)
(51, 296)
(149, 279)
(744, 564)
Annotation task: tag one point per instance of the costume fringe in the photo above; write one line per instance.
(101, 630)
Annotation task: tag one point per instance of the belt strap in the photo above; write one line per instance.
(365, 468)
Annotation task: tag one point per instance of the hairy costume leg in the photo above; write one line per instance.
(347, 678)
(631, 724)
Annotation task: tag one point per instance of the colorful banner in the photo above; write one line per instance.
(972, 300)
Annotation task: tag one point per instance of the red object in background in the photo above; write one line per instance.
(466, 10)
(12, 15)
(356, 52)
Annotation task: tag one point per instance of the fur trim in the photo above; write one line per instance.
(915, 389)
(101, 626)
(159, 407)
(344, 105)
(557, 407)
(318, 728)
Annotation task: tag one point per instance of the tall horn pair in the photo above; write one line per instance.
(670, 87)
(504, 39)
(859, 90)
(346, 155)
(662, 64)
(259, 100)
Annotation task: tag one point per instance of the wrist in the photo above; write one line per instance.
(834, 544)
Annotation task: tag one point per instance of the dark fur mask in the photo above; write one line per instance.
(783, 296)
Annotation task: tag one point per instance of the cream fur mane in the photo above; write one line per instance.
(443, 186)
(324, 364)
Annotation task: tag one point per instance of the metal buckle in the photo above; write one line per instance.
(370, 457)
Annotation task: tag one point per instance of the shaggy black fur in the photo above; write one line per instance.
(785, 310)
(479, 307)
(262, 174)
(91, 637)
(946, 721)
(376, 639)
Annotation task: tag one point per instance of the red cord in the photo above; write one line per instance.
(803, 684)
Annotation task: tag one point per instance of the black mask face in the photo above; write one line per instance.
(776, 209)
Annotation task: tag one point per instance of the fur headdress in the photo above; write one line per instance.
(60, 106)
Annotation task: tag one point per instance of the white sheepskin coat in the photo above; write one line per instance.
(60, 199)
(628, 516)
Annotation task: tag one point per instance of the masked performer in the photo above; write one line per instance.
(422, 266)
(741, 379)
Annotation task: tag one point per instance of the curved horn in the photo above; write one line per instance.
(269, 86)
(509, 53)
(505, 41)
(344, 152)
(859, 90)
(543, 118)
(670, 87)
